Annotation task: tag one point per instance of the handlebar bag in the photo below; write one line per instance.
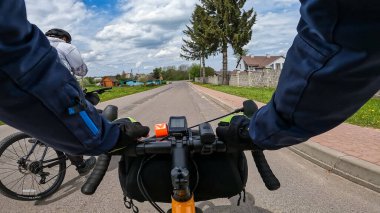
(221, 175)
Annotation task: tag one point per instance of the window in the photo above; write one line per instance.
(278, 66)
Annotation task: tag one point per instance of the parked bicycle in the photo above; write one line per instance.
(31, 170)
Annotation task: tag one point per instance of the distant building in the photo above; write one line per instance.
(126, 75)
(259, 63)
(109, 81)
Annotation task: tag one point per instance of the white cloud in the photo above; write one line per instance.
(138, 64)
(148, 33)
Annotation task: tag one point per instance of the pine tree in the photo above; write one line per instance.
(234, 25)
(202, 40)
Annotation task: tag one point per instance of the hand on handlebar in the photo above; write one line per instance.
(130, 132)
(236, 135)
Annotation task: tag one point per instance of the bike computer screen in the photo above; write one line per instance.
(177, 125)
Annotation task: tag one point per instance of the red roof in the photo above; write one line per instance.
(259, 61)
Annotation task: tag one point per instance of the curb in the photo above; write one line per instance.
(351, 168)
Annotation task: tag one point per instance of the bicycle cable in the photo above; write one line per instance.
(142, 188)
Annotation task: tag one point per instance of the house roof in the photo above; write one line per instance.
(259, 61)
(113, 78)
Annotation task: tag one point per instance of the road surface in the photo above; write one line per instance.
(305, 186)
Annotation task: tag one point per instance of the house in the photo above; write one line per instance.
(109, 81)
(259, 63)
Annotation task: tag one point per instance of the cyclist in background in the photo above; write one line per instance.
(72, 59)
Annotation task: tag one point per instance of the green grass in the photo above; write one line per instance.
(117, 92)
(367, 116)
(259, 94)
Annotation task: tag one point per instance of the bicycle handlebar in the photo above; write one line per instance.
(269, 179)
(98, 91)
(151, 146)
(165, 147)
(92, 182)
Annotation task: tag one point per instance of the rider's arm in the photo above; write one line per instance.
(331, 70)
(37, 92)
(74, 58)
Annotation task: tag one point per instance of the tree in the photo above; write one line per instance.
(157, 73)
(118, 77)
(234, 25)
(195, 68)
(202, 39)
(239, 55)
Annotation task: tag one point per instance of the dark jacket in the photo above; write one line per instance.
(331, 70)
(37, 91)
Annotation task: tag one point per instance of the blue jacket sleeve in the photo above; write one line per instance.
(331, 70)
(36, 91)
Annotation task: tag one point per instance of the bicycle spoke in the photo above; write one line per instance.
(14, 181)
(17, 182)
(21, 148)
(22, 184)
(9, 169)
(8, 175)
(15, 151)
(34, 154)
(10, 164)
(9, 157)
(8, 172)
(51, 155)
(39, 185)
(26, 149)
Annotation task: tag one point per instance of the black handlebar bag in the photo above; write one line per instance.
(218, 175)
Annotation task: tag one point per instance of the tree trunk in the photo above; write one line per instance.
(203, 70)
(225, 67)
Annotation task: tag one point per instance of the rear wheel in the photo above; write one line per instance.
(29, 170)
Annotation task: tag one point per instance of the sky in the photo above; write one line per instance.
(140, 35)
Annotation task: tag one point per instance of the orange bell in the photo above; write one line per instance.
(161, 130)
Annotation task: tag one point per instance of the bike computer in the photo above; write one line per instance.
(177, 125)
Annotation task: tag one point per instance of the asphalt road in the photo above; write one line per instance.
(305, 186)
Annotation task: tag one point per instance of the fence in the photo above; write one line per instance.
(264, 78)
(216, 80)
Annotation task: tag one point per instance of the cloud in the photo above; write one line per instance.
(148, 33)
(273, 32)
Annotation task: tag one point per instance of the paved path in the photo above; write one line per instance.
(360, 142)
(305, 186)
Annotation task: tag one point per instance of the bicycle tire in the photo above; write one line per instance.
(13, 139)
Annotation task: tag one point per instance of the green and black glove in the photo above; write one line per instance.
(233, 131)
(130, 132)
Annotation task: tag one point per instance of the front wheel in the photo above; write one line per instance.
(29, 170)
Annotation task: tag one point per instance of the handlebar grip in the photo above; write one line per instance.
(92, 182)
(269, 179)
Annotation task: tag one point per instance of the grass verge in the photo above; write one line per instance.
(367, 116)
(117, 92)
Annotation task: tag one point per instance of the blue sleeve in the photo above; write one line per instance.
(36, 91)
(331, 70)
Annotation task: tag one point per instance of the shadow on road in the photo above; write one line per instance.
(65, 190)
(245, 207)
